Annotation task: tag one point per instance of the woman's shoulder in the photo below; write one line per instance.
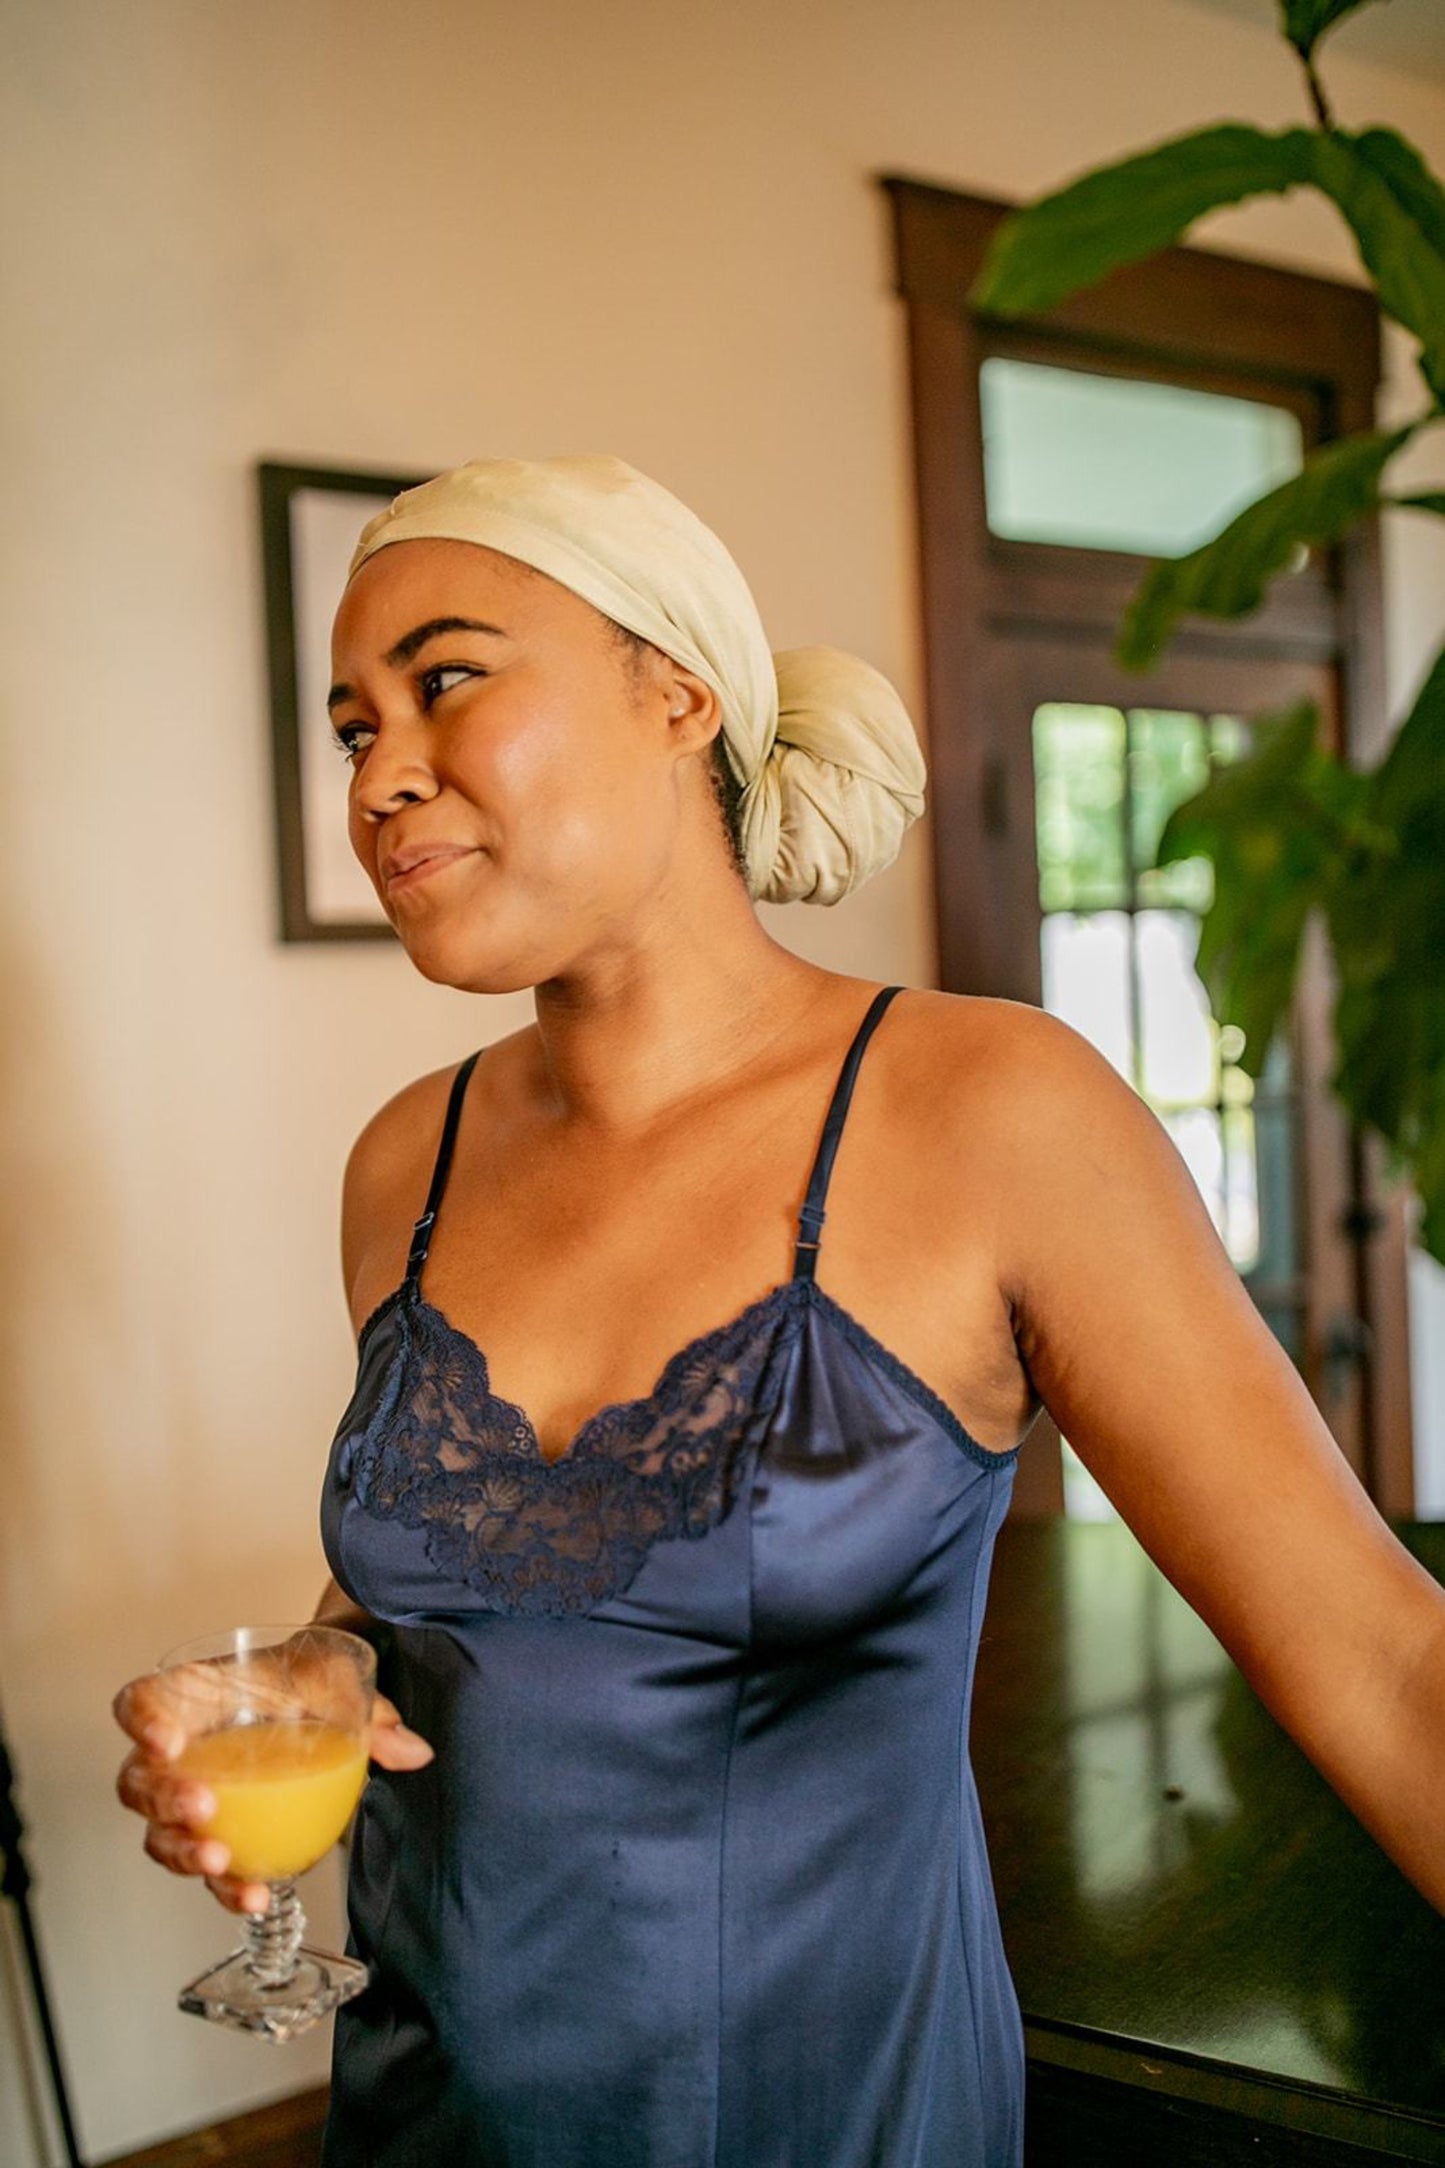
(1000, 1092)
(415, 1112)
(972, 1049)
(1033, 1066)
(389, 1166)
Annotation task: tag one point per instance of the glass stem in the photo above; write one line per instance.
(273, 1937)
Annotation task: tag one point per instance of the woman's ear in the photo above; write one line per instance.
(694, 711)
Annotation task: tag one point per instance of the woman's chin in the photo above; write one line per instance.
(461, 961)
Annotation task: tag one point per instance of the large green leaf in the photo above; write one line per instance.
(1426, 1165)
(1227, 576)
(1408, 786)
(1270, 823)
(1389, 1035)
(1424, 500)
(1386, 915)
(1395, 209)
(1408, 178)
(1387, 930)
(1291, 829)
(1305, 21)
(1123, 213)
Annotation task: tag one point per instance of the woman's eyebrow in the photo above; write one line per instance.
(410, 642)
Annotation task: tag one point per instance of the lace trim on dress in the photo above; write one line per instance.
(543, 1537)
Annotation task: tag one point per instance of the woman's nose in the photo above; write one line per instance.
(395, 772)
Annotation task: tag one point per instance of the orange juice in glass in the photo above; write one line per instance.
(277, 1719)
(284, 1789)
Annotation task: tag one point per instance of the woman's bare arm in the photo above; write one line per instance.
(1151, 1357)
(335, 1608)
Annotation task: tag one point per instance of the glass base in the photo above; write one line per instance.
(231, 1994)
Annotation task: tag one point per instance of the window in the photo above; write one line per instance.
(1118, 942)
(1119, 463)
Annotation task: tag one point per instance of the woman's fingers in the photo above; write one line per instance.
(161, 1713)
(148, 1715)
(184, 1852)
(206, 1857)
(161, 1794)
(238, 1896)
(177, 1809)
(392, 1744)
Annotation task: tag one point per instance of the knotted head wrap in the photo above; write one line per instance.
(821, 744)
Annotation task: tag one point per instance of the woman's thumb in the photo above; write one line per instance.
(393, 1744)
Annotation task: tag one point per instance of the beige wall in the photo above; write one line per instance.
(396, 236)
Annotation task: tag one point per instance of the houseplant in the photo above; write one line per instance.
(1291, 829)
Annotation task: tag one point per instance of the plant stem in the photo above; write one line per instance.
(1316, 88)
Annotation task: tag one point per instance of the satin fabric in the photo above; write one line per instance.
(697, 1878)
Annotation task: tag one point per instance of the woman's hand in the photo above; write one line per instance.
(177, 1807)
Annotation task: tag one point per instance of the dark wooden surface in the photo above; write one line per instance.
(287, 2134)
(1214, 1960)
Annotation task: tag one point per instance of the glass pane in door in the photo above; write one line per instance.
(1119, 941)
(1119, 463)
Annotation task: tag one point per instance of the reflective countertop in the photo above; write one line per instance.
(1185, 1902)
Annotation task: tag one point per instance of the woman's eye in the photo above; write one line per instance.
(350, 739)
(345, 737)
(442, 670)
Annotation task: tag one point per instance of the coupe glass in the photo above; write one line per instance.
(277, 1720)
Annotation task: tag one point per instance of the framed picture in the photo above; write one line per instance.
(310, 519)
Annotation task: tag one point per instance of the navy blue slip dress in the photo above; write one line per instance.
(697, 1878)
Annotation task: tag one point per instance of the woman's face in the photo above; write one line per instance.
(520, 783)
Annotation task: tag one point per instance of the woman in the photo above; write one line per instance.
(676, 1858)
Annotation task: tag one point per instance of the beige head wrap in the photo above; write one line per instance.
(821, 743)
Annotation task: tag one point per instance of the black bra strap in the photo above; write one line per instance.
(810, 1219)
(421, 1233)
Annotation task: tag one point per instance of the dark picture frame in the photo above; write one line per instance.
(310, 519)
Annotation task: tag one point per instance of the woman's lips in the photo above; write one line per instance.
(415, 875)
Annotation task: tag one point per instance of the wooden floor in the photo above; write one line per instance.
(285, 2135)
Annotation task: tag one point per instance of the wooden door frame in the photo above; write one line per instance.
(1216, 321)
